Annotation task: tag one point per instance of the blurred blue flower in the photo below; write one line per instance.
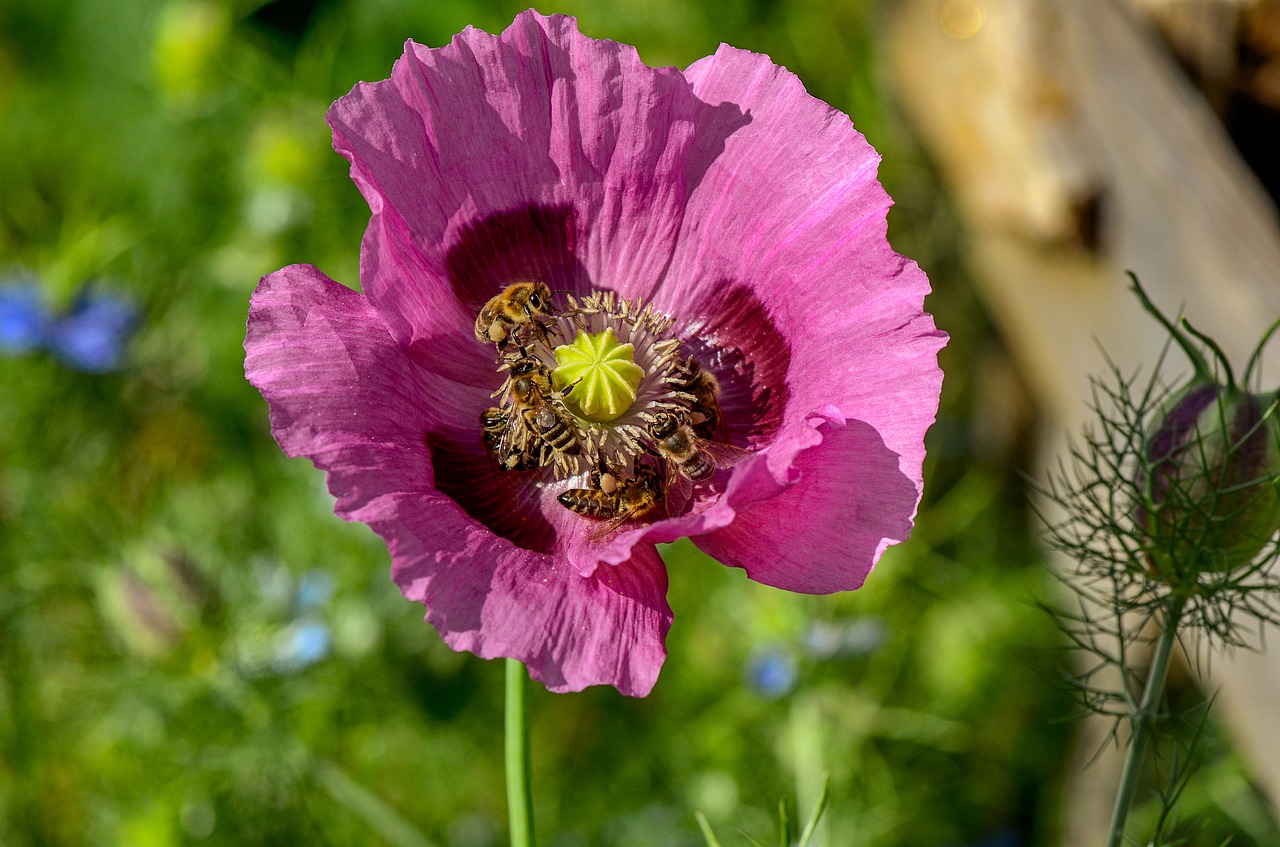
(284, 631)
(828, 639)
(771, 672)
(307, 639)
(23, 317)
(90, 337)
(314, 590)
(93, 335)
(302, 644)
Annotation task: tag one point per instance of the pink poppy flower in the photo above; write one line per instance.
(720, 216)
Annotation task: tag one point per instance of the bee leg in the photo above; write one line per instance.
(603, 479)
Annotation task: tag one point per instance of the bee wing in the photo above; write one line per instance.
(545, 416)
(512, 436)
(517, 437)
(722, 455)
(605, 529)
(491, 452)
(677, 489)
(617, 521)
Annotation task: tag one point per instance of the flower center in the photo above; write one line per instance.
(598, 393)
(597, 375)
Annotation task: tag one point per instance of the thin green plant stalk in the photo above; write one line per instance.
(519, 794)
(372, 809)
(1142, 721)
(807, 744)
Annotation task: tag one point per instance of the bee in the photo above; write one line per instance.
(705, 414)
(688, 457)
(535, 420)
(494, 423)
(519, 308)
(630, 499)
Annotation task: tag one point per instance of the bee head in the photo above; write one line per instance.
(528, 376)
(526, 367)
(663, 425)
(534, 298)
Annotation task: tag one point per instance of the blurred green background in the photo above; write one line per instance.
(196, 651)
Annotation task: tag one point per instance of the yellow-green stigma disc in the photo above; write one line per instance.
(603, 374)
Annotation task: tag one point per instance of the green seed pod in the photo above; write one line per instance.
(1209, 487)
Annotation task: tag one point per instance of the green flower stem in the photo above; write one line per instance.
(1151, 696)
(519, 795)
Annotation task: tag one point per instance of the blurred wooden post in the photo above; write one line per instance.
(1046, 116)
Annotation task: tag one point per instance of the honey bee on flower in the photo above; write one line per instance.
(519, 309)
(696, 255)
